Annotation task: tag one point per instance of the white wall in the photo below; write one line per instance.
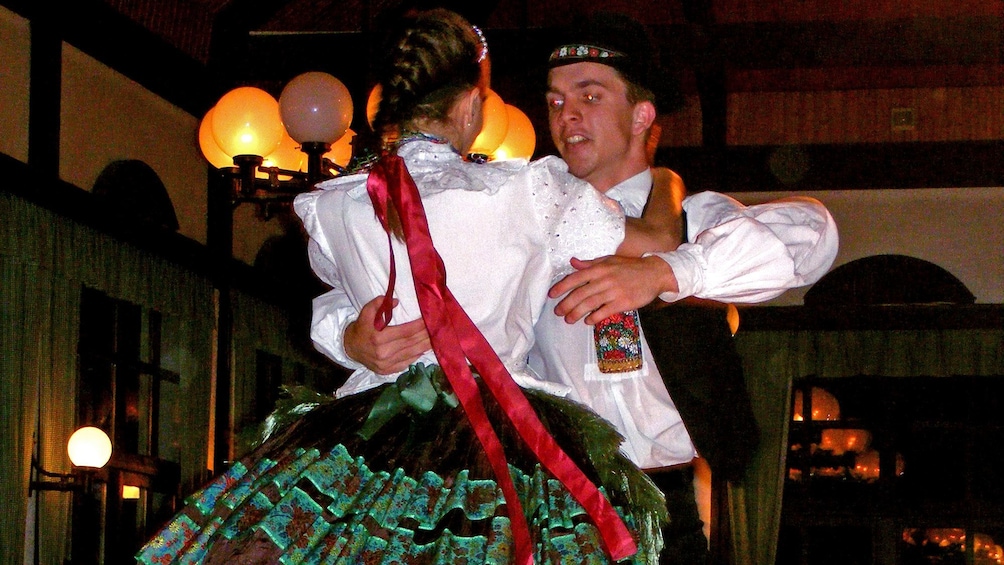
(959, 229)
(15, 74)
(107, 117)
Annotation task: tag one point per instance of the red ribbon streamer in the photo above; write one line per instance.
(455, 340)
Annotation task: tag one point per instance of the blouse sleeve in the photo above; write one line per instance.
(750, 254)
(333, 311)
(578, 220)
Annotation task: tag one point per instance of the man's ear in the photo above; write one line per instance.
(643, 116)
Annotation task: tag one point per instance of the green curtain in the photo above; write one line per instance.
(45, 260)
(773, 359)
(255, 329)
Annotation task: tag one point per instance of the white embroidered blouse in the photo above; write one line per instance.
(505, 230)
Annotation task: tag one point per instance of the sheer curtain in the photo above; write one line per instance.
(262, 326)
(772, 359)
(45, 260)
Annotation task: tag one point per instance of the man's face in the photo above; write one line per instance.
(591, 122)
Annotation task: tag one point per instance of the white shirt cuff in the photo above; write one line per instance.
(688, 268)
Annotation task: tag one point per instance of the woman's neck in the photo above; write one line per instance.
(439, 130)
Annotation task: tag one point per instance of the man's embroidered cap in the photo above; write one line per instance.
(623, 43)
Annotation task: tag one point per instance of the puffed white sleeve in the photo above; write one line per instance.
(578, 220)
(750, 254)
(332, 311)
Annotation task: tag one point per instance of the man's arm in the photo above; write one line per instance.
(737, 254)
(614, 280)
(750, 254)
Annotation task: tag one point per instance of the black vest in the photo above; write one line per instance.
(694, 350)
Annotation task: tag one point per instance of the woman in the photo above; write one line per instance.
(435, 466)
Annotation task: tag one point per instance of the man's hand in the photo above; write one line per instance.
(387, 351)
(611, 284)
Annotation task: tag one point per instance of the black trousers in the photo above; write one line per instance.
(684, 539)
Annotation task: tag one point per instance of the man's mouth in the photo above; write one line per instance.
(573, 139)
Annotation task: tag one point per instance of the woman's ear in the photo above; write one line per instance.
(474, 104)
(465, 107)
(643, 117)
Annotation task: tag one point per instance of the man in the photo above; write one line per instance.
(687, 388)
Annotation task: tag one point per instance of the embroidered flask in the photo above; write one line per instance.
(618, 343)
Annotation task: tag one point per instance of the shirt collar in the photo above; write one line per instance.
(632, 194)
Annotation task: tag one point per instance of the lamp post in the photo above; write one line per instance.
(250, 128)
(89, 449)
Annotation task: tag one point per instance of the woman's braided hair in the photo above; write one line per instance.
(430, 59)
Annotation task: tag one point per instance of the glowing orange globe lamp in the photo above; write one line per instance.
(495, 127)
(520, 140)
(246, 121)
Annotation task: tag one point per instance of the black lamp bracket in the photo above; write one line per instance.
(63, 481)
(281, 185)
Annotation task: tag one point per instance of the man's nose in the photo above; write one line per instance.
(569, 112)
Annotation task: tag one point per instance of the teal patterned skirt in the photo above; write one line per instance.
(419, 490)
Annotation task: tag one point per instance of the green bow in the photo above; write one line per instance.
(420, 387)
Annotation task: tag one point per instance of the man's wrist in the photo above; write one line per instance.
(671, 287)
(663, 273)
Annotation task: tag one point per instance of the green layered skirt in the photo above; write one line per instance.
(419, 490)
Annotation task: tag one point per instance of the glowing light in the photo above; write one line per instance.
(246, 121)
(89, 447)
(841, 441)
(286, 156)
(732, 315)
(373, 104)
(866, 466)
(520, 139)
(341, 150)
(315, 107)
(495, 126)
(824, 406)
(207, 144)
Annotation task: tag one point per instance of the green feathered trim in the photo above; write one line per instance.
(616, 473)
(294, 401)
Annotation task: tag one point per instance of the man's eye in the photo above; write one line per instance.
(591, 97)
(555, 103)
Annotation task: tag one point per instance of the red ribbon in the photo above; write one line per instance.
(455, 340)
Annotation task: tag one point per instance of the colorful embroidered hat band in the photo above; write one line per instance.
(576, 53)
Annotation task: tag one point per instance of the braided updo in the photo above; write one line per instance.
(429, 60)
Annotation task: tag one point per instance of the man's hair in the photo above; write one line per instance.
(635, 92)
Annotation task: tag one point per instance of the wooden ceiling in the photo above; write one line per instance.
(191, 51)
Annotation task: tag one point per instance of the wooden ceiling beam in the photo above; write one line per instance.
(229, 61)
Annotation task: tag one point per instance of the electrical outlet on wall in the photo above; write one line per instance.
(904, 119)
